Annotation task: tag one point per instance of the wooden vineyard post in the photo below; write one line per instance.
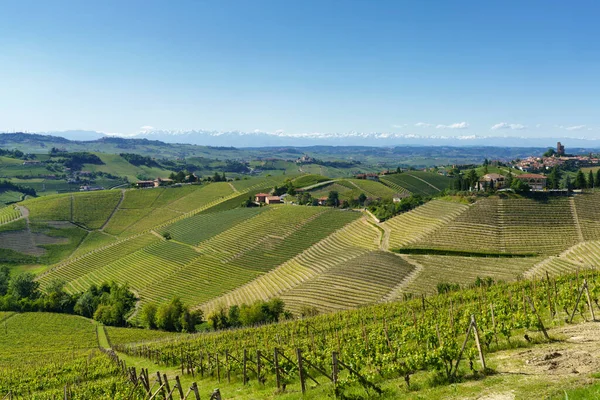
(244, 365)
(216, 395)
(167, 386)
(276, 363)
(258, 366)
(538, 318)
(218, 369)
(462, 349)
(589, 299)
(179, 387)
(195, 390)
(494, 323)
(201, 364)
(475, 331)
(576, 304)
(301, 370)
(334, 367)
(228, 366)
(161, 384)
(182, 373)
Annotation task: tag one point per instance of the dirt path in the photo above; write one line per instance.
(424, 181)
(233, 187)
(576, 219)
(113, 211)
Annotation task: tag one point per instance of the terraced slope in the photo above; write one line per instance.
(242, 259)
(581, 256)
(370, 188)
(249, 243)
(362, 280)
(200, 227)
(587, 206)
(75, 268)
(476, 229)
(463, 270)
(542, 226)
(417, 182)
(144, 209)
(9, 214)
(510, 226)
(422, 221)
(353, 240)
(145, 267)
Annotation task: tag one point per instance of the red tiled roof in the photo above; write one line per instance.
(261, 194)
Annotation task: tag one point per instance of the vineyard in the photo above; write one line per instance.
(9, 214)
(41, 353)
(417, 182)
(362, 349)
(507, 226)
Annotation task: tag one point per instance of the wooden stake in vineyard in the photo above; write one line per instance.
(472, 328)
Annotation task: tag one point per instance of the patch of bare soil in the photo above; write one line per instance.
(579, 353)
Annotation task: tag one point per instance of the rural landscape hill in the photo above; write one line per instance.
(358, 258)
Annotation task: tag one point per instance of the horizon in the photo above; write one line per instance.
(485, 70)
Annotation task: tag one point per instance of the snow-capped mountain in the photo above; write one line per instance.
(266, 139)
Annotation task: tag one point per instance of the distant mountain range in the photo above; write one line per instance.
(266, 139)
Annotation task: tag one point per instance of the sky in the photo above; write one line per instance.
(523, 68)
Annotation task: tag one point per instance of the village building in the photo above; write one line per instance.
(371, 176)
(31, 162)
(397, 198)
(560, 149)
(535, 181)
(322, 201)
(261, 197)
(273, 200)
(496, 181)
(145, 184)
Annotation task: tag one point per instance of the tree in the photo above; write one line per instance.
(472, 178)
(23, 286)
(519, 186)
(597, 179)
(509, 179)
(590, 180)
(554, 178)
(568, 184)
(233, 316)
(148, 315)
(361, 199)
(333, 200)
(4, 279)
(549, 153)
(580, 182)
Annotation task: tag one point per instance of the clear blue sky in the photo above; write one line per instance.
(302, 66)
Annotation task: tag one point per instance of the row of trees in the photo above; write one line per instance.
(173, 316)
(259, 312)
(385, 209)
(109, 303)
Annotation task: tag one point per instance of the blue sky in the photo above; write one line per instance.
(527, 68)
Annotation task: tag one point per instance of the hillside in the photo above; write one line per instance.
(220, 254)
